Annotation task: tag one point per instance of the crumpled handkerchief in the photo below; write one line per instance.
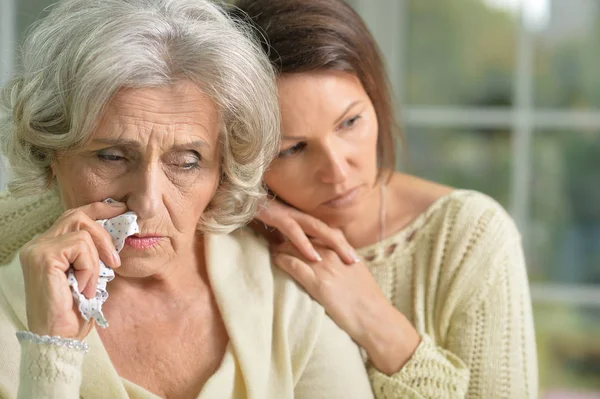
(119, 228)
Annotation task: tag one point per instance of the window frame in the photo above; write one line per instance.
(522, 120)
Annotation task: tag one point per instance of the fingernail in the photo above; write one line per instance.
(116, 258)
(354, 256)
(112, 202)
(317, 256)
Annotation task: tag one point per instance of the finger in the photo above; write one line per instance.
(87, 278)
(81, 253)
(287, 248)
(330, 238)
(271, 234)
(89, 290)
(297, 226)
(297, 269)
(79, 219)
(294, 232)
(272, 215)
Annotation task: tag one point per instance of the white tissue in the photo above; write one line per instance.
(119, 228)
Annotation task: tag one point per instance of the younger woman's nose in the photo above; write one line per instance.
(333, 167)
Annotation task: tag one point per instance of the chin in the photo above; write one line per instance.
(141, 264)
(138, 268)
(337, 217)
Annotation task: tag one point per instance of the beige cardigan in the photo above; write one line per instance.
(282, 345)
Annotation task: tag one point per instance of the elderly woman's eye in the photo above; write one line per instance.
(190, 165)
(110, 156)
(187, 163)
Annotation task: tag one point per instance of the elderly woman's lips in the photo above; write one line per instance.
(143, 242)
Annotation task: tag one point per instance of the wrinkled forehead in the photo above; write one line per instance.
(170, 115)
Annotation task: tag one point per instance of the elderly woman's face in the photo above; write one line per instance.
(156, 150)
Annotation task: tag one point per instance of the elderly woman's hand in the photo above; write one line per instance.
(75, 240)
(298, 227)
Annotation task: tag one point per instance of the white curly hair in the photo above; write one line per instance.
(84, 51)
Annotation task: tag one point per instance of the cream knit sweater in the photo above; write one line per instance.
(457, 273)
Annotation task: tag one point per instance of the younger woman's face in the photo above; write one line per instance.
(327, 165)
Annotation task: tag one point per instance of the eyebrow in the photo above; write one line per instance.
(346, 110)
(134, 144)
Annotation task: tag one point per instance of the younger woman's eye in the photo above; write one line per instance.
(350, 123)
(292, 150)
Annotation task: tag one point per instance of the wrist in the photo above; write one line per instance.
(391, 340)
(58, 341)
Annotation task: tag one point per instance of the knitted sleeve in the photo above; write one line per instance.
(49, 371)
(432, 372)
(478, 341)
(23, 218)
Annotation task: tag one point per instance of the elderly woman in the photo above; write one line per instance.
(168, 108)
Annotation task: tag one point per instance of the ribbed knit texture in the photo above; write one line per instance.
(23, 218)
(458, 274)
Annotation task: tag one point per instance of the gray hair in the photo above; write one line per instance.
(84, 51)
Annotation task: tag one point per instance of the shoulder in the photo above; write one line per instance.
(472, 216)
(246, 282)
(457, 215)
(289, 298)
(469, 225)
(469, 242)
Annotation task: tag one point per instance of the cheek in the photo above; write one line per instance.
(368, 147)
(192, 199)
(280, 178)
(77, 183)
(291, 180)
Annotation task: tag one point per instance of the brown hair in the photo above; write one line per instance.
(308, 35)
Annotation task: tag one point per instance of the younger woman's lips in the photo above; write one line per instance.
(345, 199)
(142, 242)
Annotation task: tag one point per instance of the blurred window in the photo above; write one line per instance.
(503, 96)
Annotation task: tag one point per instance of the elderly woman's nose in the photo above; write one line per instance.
(333, 168)
(145, 192)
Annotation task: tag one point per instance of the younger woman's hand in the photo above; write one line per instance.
(74, 240)
(299, 228)
(353, 299)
